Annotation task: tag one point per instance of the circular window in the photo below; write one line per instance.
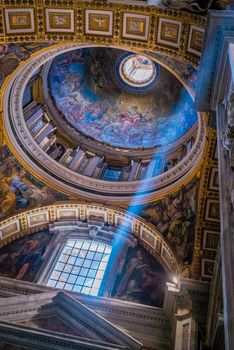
(137, 70)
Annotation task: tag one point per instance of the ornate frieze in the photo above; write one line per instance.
(164, 29)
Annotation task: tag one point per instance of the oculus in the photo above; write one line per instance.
(137, 70)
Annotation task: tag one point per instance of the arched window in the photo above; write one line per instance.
(81, 266)
(85, 257)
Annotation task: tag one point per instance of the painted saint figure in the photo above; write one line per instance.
(17, 186)
(140, 283)
(129, 118)
(22, 259)
(94, 113)
(7, 198)
(30, 256)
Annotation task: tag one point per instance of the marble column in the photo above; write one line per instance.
(93, 162)
(78, 158)
(134, 170)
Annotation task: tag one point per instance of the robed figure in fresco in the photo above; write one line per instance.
(22, 259)
(31, 256)
(141, 283)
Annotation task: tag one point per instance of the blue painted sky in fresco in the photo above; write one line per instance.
(84, 89)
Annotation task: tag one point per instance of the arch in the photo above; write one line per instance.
(40, 218)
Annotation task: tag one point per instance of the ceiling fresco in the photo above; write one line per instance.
(183, 70)
(31, 193)
(126, 94)
(88, 89)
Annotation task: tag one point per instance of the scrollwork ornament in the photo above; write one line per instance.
(227, 139)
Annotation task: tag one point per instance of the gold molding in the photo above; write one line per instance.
(154, 14)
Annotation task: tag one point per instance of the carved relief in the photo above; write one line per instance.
(230, 109)
(228, 144)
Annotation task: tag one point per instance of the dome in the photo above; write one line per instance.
(120, 98)
(104, 121)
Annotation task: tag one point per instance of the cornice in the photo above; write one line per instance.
(21, 335)
(114, 307)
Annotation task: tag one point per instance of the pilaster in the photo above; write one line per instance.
(216, 94)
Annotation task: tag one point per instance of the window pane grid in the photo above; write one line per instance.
(81, 266)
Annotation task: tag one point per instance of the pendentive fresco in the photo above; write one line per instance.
(19, 189)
